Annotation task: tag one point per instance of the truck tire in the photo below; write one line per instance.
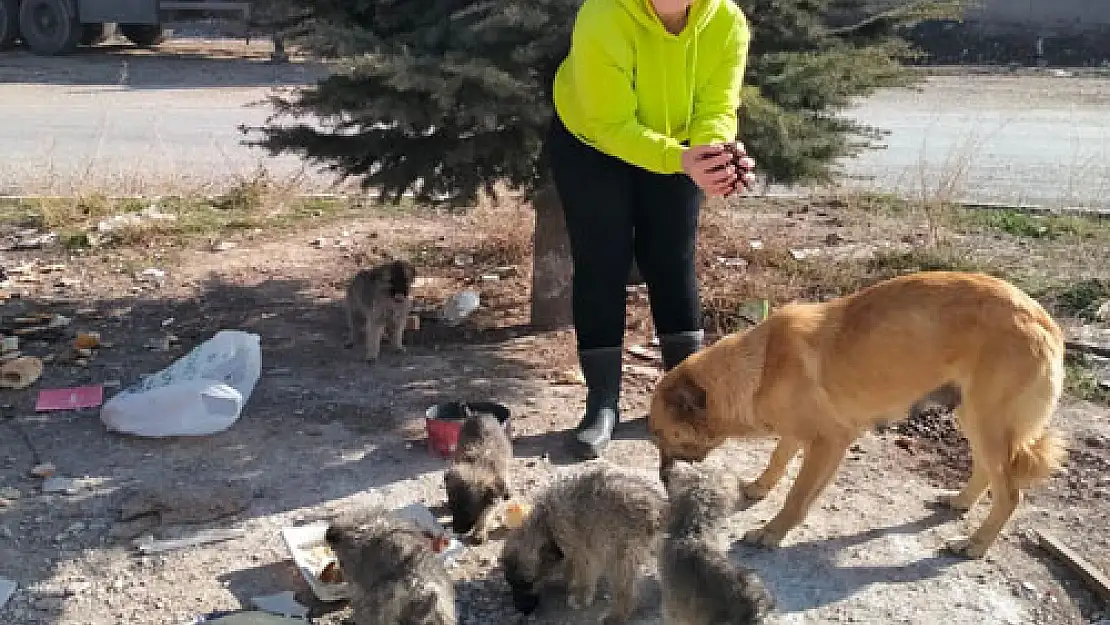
(49, 27)
(92, 34)
(143, 35)
(9, 23)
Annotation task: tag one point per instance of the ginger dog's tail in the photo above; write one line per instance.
(1036, 460)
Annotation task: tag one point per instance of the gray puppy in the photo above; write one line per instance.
(602, 522)
(700, 585)
(477, 480)
(379, 300)
(396, 577)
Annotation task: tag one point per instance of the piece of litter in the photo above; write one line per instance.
(755, 244)
(489, 277)
(516, 513)
(10, 492)
(643, 352)
(21, 372)
(7, 589)
(58, 321)
(569, 377)
(148, 544)
(167, 322)
(86, 340)
(9, 344)
(282, 604)
(302, 542)
(73, 398)
(65, 485)
(459, 306)
(45, 469)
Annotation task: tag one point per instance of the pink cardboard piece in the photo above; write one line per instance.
(70, 398)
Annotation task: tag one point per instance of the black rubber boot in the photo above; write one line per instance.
(602, 370)
(676, 347)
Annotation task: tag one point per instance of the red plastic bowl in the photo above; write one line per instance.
(443, 422)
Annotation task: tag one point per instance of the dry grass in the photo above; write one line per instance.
(95, 220)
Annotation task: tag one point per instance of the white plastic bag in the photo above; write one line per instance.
(201, 393)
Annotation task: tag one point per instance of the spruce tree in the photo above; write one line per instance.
(446, 98)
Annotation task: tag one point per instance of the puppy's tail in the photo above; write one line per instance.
(1035, 460)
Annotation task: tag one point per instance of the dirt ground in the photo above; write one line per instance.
(325, 433)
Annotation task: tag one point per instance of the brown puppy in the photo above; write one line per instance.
(819, 375)
(395, 574)
(477, 480)
(379, 300)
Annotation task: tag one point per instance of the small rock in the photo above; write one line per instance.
(152, 274)
(803, 253)
(833, 238)
(1095, 441)
(739, 263)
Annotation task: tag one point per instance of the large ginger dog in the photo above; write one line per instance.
(819, 375)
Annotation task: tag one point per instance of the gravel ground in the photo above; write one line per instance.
(323, 433)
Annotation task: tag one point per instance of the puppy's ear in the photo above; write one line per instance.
(685, 396)
(334, 534)
(422, 610)
(550, 553)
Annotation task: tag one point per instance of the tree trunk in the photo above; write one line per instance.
(552, 268)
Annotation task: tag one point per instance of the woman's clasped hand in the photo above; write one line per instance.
(720, 169)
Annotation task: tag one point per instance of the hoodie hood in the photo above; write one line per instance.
(643, 13)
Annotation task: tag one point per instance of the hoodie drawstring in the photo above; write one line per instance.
(691, 72)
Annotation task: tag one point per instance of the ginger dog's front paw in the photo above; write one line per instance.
(752, 494)
(763, 537)
(952, 501)
(967, 547)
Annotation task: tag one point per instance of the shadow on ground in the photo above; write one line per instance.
(812, 574)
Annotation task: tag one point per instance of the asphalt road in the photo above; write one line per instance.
(127, 122)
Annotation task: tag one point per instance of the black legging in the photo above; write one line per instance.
(615, 210)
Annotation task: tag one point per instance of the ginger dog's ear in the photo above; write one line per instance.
(685, 396)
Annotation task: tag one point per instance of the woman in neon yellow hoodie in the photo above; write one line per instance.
(646, 101)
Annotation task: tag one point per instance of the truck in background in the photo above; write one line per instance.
(54, 27)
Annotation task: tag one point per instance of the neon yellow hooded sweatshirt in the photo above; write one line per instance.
(633, 90)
